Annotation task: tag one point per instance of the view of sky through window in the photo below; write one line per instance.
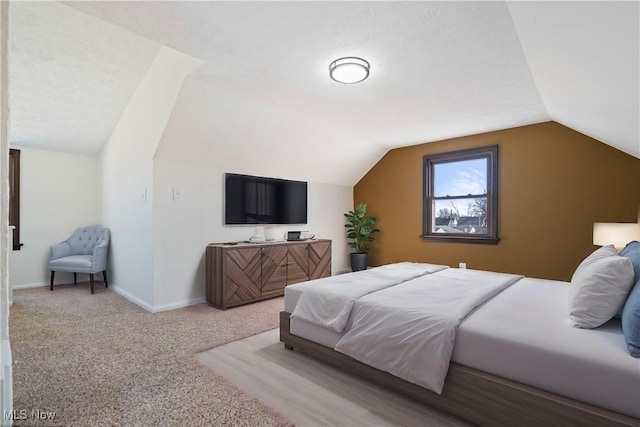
(460, 178)
(461, 202)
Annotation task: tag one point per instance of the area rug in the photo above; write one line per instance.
(313, 393)
(101, 360)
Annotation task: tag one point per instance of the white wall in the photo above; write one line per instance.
(127, 174)
(212, 131)
(182, 229)
(213, 126)
(6, 363)
(58, 193)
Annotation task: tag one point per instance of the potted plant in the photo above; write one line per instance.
(360, 230)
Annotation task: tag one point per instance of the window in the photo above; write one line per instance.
(14, 195)
(460, 196)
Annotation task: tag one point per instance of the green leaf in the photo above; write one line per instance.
(359, 228)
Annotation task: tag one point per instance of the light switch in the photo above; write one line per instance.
(178, 194)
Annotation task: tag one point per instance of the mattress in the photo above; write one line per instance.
(524, 334)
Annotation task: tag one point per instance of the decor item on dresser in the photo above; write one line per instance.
(360, 230)
(258, 236)
(244, 273)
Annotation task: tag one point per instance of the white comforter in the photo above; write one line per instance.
(409, 329)
(328, 302)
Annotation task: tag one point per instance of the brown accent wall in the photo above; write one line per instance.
(554, 183)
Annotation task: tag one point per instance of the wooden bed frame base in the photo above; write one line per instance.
(473, 395)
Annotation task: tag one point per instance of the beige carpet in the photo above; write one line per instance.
(101, 360)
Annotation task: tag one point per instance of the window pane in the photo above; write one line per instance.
(12, 186)
(466, 216)
(14, 195)
(460, 178)
(461, 198)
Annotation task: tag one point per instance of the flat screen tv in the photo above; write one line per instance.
(260, 200)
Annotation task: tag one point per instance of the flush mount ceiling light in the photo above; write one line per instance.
(349, 70)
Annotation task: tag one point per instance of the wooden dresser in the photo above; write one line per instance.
(247, 272)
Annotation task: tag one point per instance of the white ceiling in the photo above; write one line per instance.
(585, 61)
(71, 76)
(438, 69)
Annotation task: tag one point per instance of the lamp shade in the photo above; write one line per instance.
(617, 234)
(349, 70)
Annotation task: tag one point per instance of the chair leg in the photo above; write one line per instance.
(104, 275)
(91, 281)
(75, 278)
(51, 284)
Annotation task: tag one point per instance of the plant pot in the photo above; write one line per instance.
(359, 261)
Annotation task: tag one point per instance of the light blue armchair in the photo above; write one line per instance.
(84, 252)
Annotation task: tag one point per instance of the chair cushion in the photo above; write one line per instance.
(84, 239)
(72, 263)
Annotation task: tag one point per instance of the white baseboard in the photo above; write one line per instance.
(180, 304)
(130, 297)
(156, 309)
(31, 285)
(55, 283)
(117, 290)
(343, 270)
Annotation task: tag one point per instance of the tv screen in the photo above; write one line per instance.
(259, 200)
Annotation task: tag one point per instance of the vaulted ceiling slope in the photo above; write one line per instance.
(438, 69)
(585, 61)
(71, 76)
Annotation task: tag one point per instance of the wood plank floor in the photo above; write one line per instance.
(311, 393)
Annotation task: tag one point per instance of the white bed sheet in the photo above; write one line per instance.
(329, 301)
(409, 329)
(323, 336)
(531, 348)
(524, 334)
(395, 273)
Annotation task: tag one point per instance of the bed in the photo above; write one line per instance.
(535, 369)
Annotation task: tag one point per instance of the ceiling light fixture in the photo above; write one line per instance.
(349, 70)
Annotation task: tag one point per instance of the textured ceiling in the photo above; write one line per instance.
(71, 76)
(438, 69)
(585, 60)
